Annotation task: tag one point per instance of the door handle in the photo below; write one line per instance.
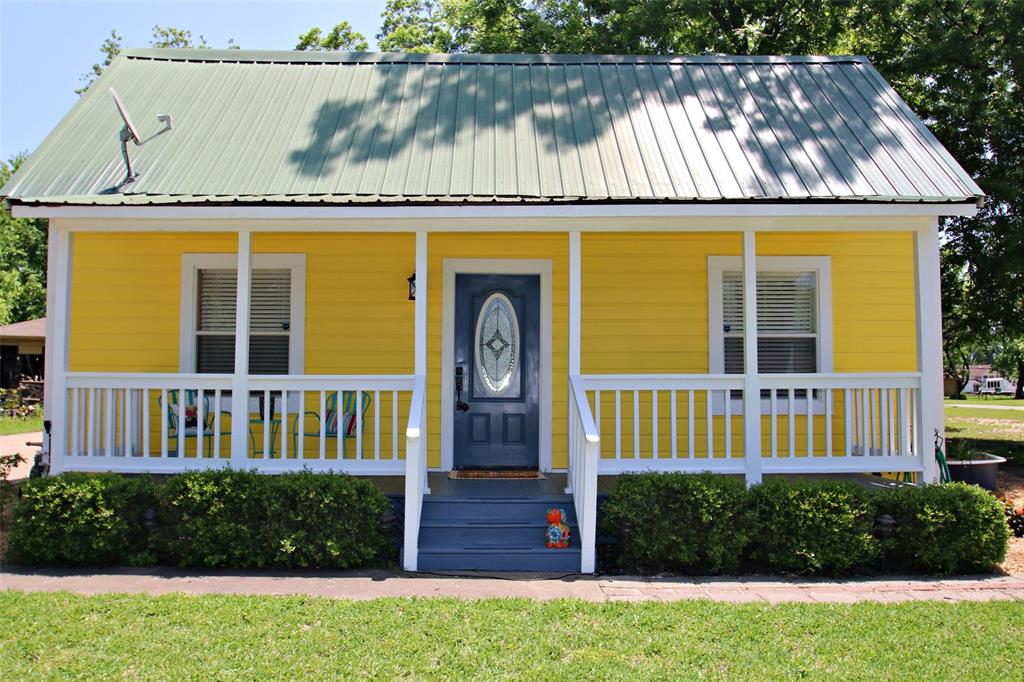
(459, 387)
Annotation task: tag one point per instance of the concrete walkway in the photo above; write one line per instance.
(981, 406)
(532, 586)
(16, 443)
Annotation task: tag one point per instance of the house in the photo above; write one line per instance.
(578, 265)
(21, 351)
(982, 381)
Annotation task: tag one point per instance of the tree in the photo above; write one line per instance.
(22, 259)
(162, 37)
(341, 37)
(1009, 363)
(961, 329)
(414, 26)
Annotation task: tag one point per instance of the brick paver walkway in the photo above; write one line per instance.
(536, 586)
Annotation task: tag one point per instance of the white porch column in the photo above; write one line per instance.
(240, 381)
(58, 336)
(751, 382)
(575, 289)
(420, 345)
(930, 415)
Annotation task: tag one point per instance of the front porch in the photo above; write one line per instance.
(594, 423)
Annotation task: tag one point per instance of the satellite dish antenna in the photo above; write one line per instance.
(130, 133)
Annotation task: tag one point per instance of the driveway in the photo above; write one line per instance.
(16, 444)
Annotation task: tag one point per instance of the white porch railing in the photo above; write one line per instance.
(584, 453)
(415, 472)
(810, 423)
(836, 423)
(164, 423)
(669, 422)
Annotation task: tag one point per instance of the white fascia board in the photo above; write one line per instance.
(489, 212)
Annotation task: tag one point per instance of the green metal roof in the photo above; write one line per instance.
(313, 128)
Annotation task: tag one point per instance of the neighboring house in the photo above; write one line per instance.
(990, 384)
(21, 351)
(724, 264)
(982, 380)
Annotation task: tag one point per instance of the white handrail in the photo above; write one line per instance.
(584, 458)
(415, 472)
(834, 422)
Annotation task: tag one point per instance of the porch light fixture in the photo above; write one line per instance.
(412, 286)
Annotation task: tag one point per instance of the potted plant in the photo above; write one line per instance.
(969, 464)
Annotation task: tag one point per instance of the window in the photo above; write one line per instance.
(275, 314)
(793, 320)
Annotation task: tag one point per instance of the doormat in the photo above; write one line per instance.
(466, 474)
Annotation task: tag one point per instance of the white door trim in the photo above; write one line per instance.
(488, 266)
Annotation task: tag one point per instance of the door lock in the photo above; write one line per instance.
(459, 404)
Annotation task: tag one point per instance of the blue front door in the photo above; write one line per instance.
(497, 370)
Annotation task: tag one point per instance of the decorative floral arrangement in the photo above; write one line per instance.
(557, 534)
(1014, 516)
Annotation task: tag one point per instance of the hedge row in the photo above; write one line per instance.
(228, 518)
(708, 524)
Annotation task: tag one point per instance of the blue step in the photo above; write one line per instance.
(483, 509)
(494, 528)
(451, 533)
(497, 559)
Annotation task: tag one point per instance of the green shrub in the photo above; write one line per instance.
(812, 527)
(242, 519)
(946, 528)
(82, 520)
(685, 523)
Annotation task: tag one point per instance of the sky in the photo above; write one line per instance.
(46, 46)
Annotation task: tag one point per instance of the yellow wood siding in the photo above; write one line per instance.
(126, 298)
(645, 310)
(553, 247)
(359, 319)
(645, 298)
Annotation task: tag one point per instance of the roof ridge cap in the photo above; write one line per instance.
(300, 57)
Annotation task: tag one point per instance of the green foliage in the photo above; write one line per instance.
(1009, 362)
(1014, 516)
(414, 26)
(81, 520)
(242, 519)
(342, 37)
(233, 519)
(812, 528)
(678, 522)
(22, 259)
(688, 523)
(162, 36)
(947, 528)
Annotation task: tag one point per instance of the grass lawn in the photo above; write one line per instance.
(989, 399)
(13, 425)
(59, 636)
(1000, 432)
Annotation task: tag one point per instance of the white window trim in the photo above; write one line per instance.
(192, 263)
(820, 265)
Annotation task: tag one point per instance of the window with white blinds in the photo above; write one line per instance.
(270, 323)
(787, 322)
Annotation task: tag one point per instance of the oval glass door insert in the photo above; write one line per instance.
(497, 342)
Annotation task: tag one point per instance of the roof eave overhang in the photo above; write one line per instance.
(479, 210)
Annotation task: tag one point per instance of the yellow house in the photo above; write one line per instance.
(502, 266)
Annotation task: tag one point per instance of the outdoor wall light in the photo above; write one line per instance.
(412, 286)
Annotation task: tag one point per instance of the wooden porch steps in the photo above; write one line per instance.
(494, 526)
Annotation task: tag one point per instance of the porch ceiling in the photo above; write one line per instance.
(356, 128)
